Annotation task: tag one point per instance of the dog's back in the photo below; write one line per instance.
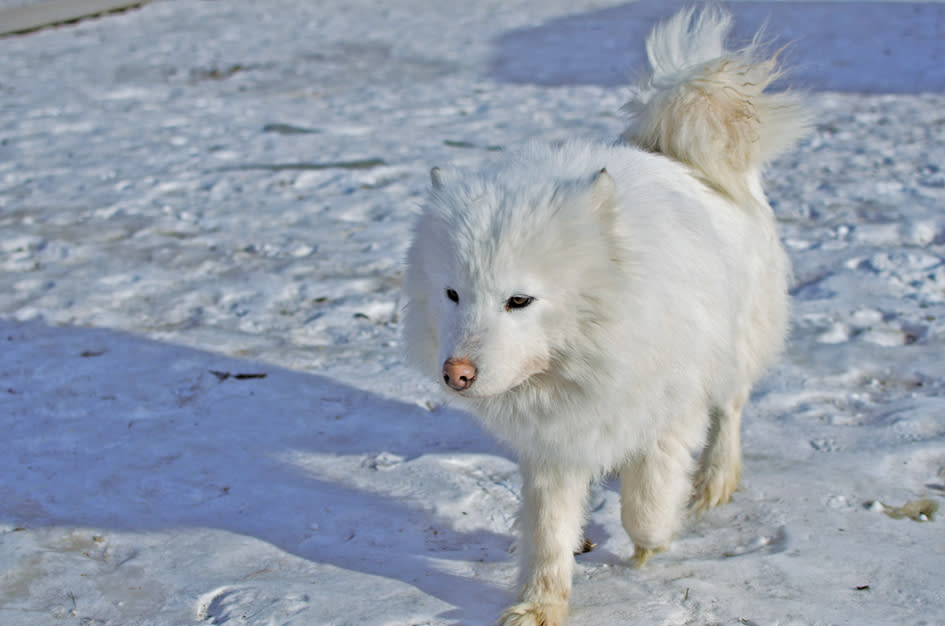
(707, 107)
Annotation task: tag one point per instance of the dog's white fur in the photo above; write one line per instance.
(659, 293)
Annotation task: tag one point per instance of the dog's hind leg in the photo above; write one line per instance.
(553, 508)
(721, 464)
(654, 488)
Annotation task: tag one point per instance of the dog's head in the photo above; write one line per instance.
(505, 276)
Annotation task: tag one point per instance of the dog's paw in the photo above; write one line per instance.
(535, 614)
(641, 555)
(713, 487)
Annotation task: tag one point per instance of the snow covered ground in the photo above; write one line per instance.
(206, 416)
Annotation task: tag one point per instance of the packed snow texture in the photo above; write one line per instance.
(204, 208)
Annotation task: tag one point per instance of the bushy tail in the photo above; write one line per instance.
(704, 106)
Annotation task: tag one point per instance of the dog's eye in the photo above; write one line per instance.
(452, 295)
(518, 302)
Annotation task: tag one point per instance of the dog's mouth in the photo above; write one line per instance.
(481, 390)
(471, 393)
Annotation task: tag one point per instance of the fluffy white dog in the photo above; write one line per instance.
(608, 307)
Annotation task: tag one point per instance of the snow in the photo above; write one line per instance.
(197, 194)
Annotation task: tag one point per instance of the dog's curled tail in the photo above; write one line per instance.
(704, 105)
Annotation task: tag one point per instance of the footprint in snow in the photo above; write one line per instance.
(774, 543)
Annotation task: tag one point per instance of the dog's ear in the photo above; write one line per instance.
(603, 196)
(436, 177)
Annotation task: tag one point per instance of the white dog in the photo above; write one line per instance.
(608, 307)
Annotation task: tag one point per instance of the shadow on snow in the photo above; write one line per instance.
(108, 430)
(872, 47)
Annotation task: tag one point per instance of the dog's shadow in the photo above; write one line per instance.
(161, 437)
(873, 47)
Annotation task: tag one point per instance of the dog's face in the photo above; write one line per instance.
(493, 331)
(497, 278)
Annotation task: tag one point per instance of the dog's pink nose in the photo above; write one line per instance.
(459, 373)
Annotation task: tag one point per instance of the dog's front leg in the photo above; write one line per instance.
(553, 505)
